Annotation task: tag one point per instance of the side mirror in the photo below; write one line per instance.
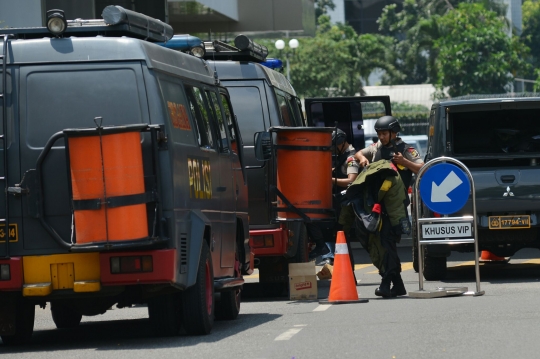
(263, 146)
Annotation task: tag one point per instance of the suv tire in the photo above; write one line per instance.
(434, 268)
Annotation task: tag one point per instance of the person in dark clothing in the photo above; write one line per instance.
(405, 158)
(391, 147)
(377, 213)
(344, 172)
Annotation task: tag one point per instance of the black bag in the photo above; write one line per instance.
(370, 221)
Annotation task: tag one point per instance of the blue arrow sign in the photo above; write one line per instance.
(444, 188)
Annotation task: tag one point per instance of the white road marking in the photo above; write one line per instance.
(291, 332)
(322, 308)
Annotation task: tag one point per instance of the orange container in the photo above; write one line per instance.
(110, 169)
(304, 170)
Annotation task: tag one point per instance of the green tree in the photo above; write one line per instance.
(476, 56)
(335, 62)
(406, 52)
(531, 35)
(415, 29)
(322, 7)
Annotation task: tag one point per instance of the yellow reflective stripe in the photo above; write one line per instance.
(386, 185)
(37, 290)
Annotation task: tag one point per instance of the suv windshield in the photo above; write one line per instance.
(514, 131)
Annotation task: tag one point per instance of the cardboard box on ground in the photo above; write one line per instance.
(326, 272)
(302, 281)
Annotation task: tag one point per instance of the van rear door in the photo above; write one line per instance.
(80, 92)
(354, 115)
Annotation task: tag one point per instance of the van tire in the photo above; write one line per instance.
(164, 313)
(434, 268)
(24, 323)
(64, 316)
(198, 300)
(228, 307)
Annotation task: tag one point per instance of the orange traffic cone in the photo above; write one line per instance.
(343, 285)
(487, 256)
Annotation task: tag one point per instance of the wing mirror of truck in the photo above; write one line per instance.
(263, 146)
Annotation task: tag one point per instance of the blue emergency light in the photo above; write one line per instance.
(274, 64)
(185, 43)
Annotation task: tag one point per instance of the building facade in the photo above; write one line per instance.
(362, 15)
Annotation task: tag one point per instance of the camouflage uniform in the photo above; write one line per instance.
(379, 183)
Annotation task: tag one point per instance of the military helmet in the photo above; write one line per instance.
(387, 123)
(338, 137)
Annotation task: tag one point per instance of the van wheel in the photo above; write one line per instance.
(64, 316)
(198, 300)
(24, 323)
(164, 313)
(434, 268)
(228, 307)
(302, 254)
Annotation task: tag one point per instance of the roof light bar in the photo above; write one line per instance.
(186, 43)
(274, 64)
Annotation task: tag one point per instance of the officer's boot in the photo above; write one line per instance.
(399, 288)
(384, 289)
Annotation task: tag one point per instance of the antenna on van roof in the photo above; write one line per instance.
(216, 78)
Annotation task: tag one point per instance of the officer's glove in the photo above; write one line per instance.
(405, 226)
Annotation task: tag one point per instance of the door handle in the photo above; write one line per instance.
(17, 190)
(508, 178)
(221, 189)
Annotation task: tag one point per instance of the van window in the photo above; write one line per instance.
(175, 102)
(200, 113)
(286, 115)
(290, 114)
(246, 102)
(228, 121)
(224, 142)
(110, 93)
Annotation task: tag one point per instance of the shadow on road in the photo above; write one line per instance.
(495, 273)
(131, 334)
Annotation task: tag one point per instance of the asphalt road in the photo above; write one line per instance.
(504, 323)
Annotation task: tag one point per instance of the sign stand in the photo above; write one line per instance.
(441, 180)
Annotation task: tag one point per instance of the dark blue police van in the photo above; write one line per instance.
(124, 178)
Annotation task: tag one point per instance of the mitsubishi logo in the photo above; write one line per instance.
(508, 192)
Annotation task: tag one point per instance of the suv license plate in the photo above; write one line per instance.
(509, 222)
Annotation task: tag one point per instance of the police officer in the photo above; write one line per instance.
(345, 166)
(379, 218)
(408, 162)
(344, 172)
(391, 147)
